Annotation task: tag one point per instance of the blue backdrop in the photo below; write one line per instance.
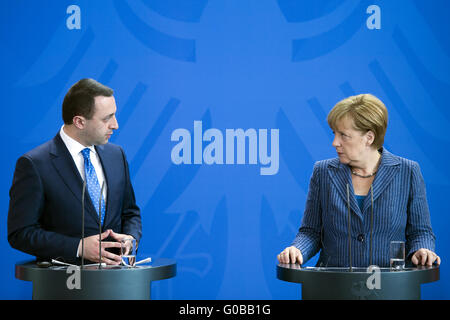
(231, 64)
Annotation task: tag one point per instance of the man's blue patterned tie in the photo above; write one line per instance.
(92, 183)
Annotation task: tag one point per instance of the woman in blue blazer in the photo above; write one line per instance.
(365, 198)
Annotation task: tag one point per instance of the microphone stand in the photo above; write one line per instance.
(371, 227)
(82, 224)
(100, 227)
(349, 229)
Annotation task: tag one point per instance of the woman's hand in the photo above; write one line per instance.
(290, 255)
(425, 256)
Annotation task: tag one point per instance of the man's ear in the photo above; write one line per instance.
(79, 122)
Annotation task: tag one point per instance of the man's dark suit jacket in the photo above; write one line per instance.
(44, 217)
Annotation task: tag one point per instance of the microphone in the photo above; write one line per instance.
(82, 223)
(100, 226)
(144, 261)
(54, 261)
(349, 229)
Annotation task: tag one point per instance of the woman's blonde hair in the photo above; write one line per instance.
(367, 112)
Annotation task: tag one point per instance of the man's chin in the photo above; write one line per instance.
(99, 143)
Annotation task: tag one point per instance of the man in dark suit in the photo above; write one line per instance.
(45, 209)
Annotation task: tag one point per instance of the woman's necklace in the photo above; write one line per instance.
(361, 176)
(370, 175)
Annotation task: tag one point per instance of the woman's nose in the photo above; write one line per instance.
(336, 142)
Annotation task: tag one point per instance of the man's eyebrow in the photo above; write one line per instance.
(109, 115)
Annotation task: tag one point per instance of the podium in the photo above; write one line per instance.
(105, 283)
(342, 284)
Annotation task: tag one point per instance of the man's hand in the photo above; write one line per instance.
(91, 246)
(119, 236)
(425, 256)
(290, 255)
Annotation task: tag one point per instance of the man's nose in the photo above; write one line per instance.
(114, 124)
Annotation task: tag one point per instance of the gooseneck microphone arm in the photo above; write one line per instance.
(100, 226)
(349, 229)
(82, 223)
(371, 226)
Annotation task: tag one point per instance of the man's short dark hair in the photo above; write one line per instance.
(80, 99)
